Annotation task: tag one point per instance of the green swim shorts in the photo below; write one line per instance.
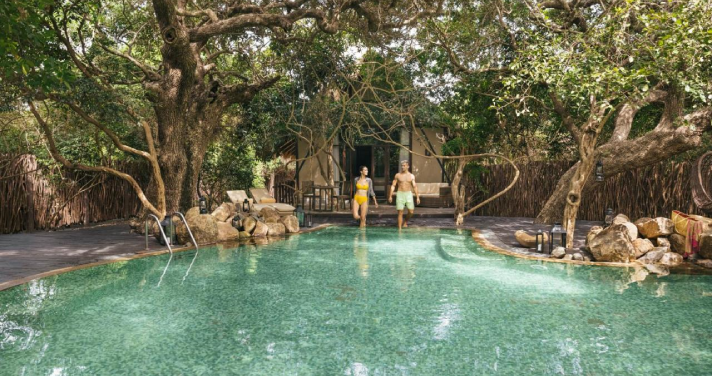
(404, 199)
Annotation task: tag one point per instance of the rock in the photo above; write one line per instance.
(192, 212)
(261, 229)
(663, 241)
(275, 229)
(595, 230)
(203, 226)
(655, 227)
(528, 241)
(620, 219)
(654, 255)
(248, 224)
(705, 263)
(568, 257)
(558, 252)
(670, 259)
(245, 234)
(272, 220)
(706, 245)
(677, 243)
(224, 211)
(269, 212)
(578, 257)
(291, 224)
(660, 270)
(612, 245)
(642, 246)
(632, 230)
(227, 232)
(586, 258)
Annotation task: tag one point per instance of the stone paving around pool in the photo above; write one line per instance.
(27, 254)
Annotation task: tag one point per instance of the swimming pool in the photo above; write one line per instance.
(342, 301)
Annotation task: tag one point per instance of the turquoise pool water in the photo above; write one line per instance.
(342, 301)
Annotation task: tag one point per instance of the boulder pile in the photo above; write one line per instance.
(652, 242)
(226, 223)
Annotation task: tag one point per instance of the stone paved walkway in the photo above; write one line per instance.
(23, 255)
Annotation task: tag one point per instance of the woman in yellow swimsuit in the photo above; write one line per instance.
(364, 190)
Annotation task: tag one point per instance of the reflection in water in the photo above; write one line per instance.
(190, 266)
(165, 270)
(361, 252)
(254, 255)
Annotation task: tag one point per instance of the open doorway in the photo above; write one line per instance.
(362, 157)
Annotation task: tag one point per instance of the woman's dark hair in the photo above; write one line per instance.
(360, 168)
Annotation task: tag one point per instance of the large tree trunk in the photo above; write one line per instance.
(458, 192)
(621, 156)
(582, 171)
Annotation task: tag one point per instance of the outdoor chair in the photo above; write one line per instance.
(307, 194)
(341, 196)
(263, 198)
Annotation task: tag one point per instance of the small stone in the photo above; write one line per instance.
(642, 246)
(654, 255)
(226, 231)
(568, 257)
(620, 219)
(261, 229)
(586, 258)
(578, 257)
(248, 224)
(291, 224)
(670, 259)
(632, 230)
(269, 212)
(224, 211)
(677, 243)
(654, 227)
(706, 245)
(705, 263)
(192, 212)
(558, 252)
(275, 229)
(244, 234)
(272, 220)
(528, 241)
(663, 241)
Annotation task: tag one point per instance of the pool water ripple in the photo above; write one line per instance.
(342, 301)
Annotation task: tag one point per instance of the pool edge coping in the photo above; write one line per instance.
(136, 255)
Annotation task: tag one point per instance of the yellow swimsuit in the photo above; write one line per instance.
(359, 198)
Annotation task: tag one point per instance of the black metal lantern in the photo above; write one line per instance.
(557, 230)
(599, 170)
(308, 219)
(246, 206)
(203, 205)
(539, 241)
(608, 219)
(300, 215)
(237, 222)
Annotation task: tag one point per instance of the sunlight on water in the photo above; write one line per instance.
(352, 302)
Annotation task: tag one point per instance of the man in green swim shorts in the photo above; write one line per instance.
(404, 195)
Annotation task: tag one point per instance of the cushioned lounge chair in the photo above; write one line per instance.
(263, 198)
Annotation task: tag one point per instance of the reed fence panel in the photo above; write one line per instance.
(33, 199)
(646, 192)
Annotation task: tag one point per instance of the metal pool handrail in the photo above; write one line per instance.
(182, 217)
(168, 243)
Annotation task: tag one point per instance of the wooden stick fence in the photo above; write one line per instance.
(30, 200)
(646, 192)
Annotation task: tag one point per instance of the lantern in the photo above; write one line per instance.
(203, 205)
(237, 222)
(599, 170)
(539, 241)
(308, 219)
(300, 215)
(608, 219)
(246, 206)
(557, 230)
(168, 230)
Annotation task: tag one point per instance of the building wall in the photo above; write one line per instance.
(426, 169)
